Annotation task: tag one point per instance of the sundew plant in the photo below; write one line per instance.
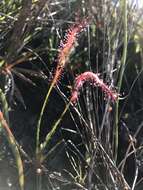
(71, 95)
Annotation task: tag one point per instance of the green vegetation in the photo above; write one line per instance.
(71, 95)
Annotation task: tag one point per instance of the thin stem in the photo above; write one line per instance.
(121, 72)
(40, 119)
(53, 130)
(14, 147)
(4, 106)
(39, 181)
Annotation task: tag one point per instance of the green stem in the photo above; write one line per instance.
(10, 138)
(54, 128)
(40, 119)
(16, 153)
(4, 106)
(121, 72)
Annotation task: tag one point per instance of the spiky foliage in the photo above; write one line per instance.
(30, 35)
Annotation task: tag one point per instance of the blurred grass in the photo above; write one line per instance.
(30, 32)
(9, 136)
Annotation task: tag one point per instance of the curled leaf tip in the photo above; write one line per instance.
(95, 81)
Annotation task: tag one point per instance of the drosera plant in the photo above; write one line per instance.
(79, 81)
(93, 79)
(65, 50)
(110, 31)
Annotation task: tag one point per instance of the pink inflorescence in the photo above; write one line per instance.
(96, 81)
(66, 47)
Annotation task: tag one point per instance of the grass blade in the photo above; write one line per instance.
(12, 143)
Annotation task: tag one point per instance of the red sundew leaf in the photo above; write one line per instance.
(96, 81)
(66, 47)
